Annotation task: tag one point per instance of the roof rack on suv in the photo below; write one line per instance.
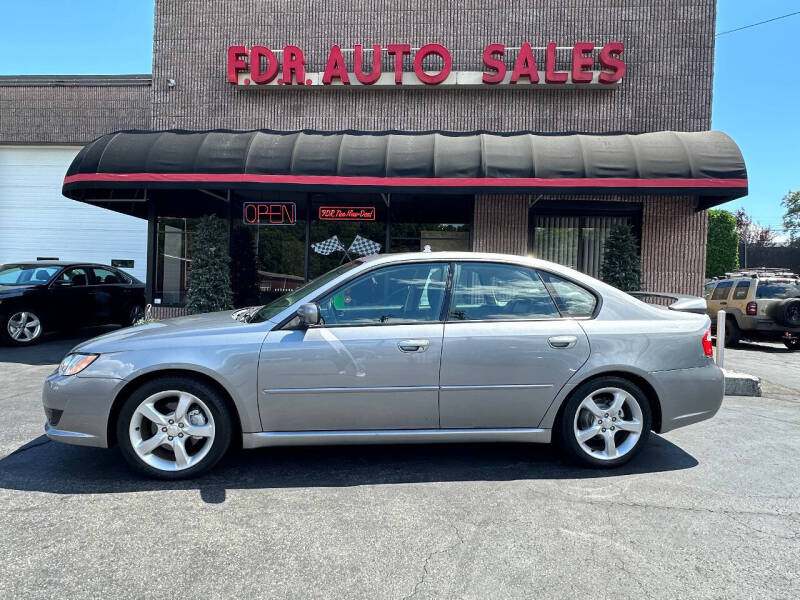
(760, 273)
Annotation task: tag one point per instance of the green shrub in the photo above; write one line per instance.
(210, 275)
(722, 250)
(622, 266)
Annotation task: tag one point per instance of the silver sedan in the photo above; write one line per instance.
(423, 347)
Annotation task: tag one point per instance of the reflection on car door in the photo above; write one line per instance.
(72, 297)
(507, 351)
(374, 364)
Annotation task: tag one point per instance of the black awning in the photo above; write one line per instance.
(707, 164)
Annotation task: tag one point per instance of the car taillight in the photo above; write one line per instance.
(708, 348)
(752, 308)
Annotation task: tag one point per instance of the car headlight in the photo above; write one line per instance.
(75, 363)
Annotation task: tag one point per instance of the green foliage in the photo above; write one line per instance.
(722, 250)
(791, 218)
(210, 278)
(622, 266)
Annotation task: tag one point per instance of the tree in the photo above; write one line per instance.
(791, 218)
(621, 263)
(752, 234)
(722, 249)
(210, 279)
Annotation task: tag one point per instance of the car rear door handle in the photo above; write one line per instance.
(413, 345)
(562, 341)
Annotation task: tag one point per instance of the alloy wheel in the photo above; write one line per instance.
(608, 423)
(24, 327)
(172, 430)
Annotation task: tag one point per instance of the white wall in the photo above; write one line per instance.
(36, 220)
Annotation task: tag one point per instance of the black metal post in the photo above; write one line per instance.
(152, 249)
(388, 223)
(308, 236)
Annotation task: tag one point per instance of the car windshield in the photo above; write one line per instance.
(26, 274)
(273, 308)
(778, 289)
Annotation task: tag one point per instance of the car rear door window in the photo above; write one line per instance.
(411, 293)
(106, 276)
(722, 290)
(572, 299)
(490, 291)
(741, 290)
(779, 290)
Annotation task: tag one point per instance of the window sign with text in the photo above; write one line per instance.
(269, 213)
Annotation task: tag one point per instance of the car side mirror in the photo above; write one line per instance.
(309, 314)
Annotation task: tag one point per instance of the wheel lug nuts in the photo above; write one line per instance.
(170, 438)
(171, 421)
(180, 435)
(180, 424)
(599, 421)
(604, 430)
(613, 418)
(612, 428)
(164, 429)
(606, 414)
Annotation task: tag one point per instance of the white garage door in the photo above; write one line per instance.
(37, 221)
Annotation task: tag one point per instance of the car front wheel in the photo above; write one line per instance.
(174, 428)
(792, 343)
(22, 328)
(605, 422)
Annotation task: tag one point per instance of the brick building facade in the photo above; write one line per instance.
(668, 50)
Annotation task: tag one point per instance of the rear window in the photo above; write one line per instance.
(778, 289)
(572, 300)
(723, 288)
(740, 293)
(26, 274)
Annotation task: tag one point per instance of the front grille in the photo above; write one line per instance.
(53, 416)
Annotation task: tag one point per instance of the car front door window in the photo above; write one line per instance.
(410, 293)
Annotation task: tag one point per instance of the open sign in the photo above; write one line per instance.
(269, 213)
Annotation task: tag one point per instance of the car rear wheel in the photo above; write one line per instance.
(605, 422)
(792, 343)
(22, 328)
(174, 428)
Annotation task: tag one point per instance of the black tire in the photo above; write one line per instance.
(566, 436)
(792, 344)
(732, 332)
(135, 313)
(787, 312)
(223, 425)
(5, 333)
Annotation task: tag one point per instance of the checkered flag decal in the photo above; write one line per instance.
(328, 247)
(364, 247)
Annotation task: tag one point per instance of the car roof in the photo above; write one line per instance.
(54, 263)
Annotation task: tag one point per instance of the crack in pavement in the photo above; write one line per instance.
(428, 559)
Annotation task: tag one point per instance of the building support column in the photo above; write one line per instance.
(152, 257)
(500, 224)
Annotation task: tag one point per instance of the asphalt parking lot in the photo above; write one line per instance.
(710, 511)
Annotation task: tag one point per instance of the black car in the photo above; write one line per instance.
(43, 296)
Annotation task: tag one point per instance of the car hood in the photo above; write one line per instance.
(166, 331)
(15, 290)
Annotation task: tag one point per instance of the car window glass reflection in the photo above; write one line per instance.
(572, 299)
(499, 292)
(76, 276)
(402, 294)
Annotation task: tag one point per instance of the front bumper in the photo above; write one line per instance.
(77, 408)
(688, 395)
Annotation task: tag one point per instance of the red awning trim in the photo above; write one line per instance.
(391, 182)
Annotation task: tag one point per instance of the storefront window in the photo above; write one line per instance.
(173, 267)
(577, 240)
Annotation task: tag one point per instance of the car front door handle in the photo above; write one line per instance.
(562, 341)
(413, 345)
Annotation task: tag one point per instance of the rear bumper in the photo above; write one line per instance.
(688, 395)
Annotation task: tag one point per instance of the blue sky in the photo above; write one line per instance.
(756, 96)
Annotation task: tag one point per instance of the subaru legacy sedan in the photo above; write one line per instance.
(400, 348)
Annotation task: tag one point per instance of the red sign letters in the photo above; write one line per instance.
(269, 213)
(263, 67)
(346, 213)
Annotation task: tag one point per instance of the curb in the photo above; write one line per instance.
(741, 384)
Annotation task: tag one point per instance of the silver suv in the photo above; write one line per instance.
(761, 304)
